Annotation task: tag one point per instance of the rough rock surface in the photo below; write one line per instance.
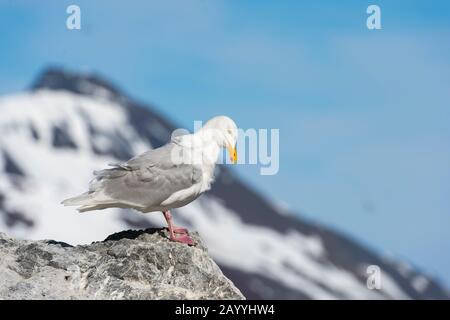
(127, 265)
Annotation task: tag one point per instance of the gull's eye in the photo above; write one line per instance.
(229, 131)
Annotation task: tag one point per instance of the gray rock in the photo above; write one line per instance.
(127, 265)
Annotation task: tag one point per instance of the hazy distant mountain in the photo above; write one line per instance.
(52, 138)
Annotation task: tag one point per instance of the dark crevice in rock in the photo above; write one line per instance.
(14, 218)
(11, 166)
(62, 138)
(119, 146)
(58, 243)
(132, 234)
(34, 132)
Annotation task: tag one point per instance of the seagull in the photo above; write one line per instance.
(164, 178)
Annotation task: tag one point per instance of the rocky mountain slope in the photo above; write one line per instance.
(52, 138)
(127, 265)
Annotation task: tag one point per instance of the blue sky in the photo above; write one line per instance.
(363, 115)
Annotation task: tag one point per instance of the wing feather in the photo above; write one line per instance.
(148, 179)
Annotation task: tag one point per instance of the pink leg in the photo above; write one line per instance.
(184, 237)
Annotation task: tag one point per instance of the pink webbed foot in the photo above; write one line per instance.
(182, 233)
(183, 239)
(180, 230)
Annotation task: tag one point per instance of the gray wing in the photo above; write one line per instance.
(148, 179)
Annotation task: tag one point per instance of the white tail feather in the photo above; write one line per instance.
(90, 201)
(80, 200)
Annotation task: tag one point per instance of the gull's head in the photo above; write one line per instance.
(224, 132)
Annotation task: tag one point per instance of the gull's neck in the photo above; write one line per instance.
(205, 148)
(205, 152)
(209, 147)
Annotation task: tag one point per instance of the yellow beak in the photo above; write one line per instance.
(233, 153)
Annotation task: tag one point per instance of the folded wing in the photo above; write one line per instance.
(145, 181)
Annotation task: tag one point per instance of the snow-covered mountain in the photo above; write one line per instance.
(52, 138)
